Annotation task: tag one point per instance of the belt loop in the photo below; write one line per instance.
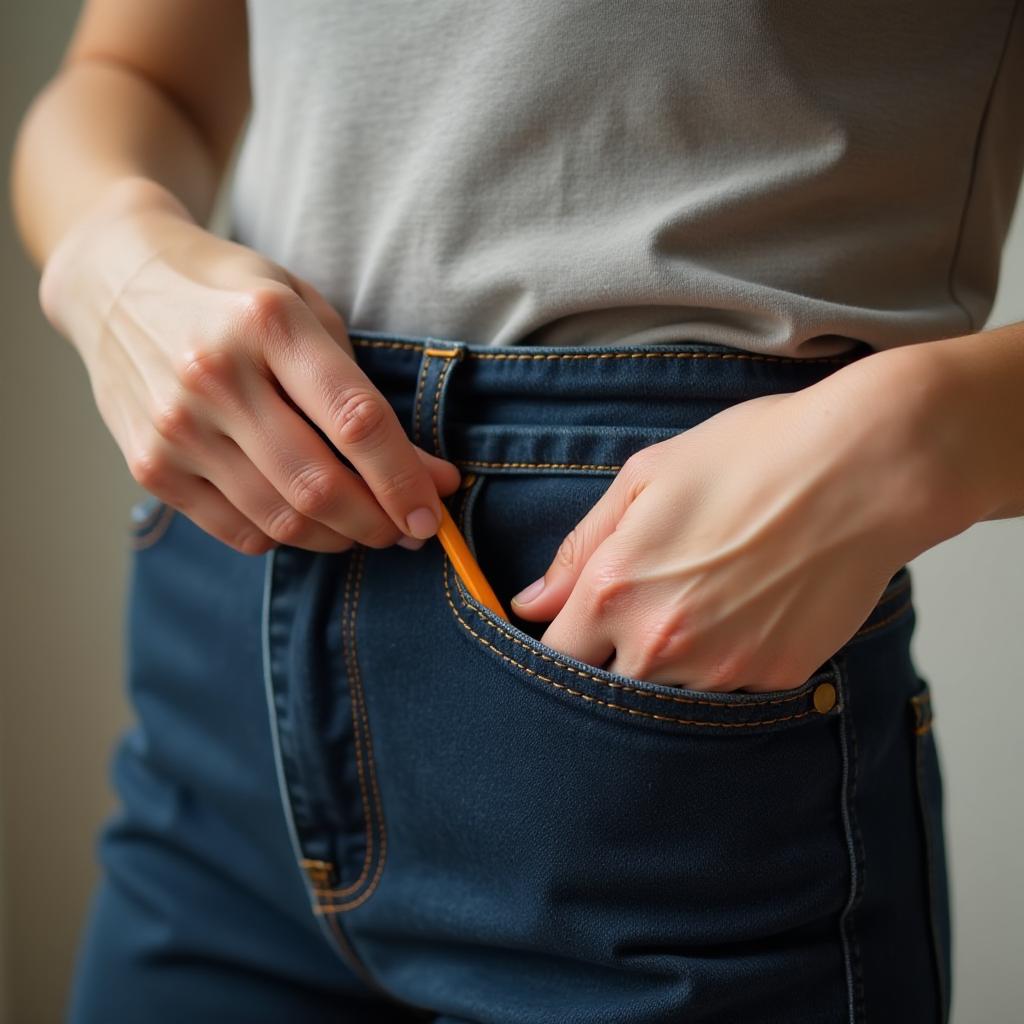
(438, 361)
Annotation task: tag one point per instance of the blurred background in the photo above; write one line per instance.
(64, 524)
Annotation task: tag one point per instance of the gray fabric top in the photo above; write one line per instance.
(784, 176)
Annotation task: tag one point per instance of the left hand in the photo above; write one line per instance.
(745, 551)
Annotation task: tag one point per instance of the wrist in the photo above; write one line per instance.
(82, 273)
(921, 455)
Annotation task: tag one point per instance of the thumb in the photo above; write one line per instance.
(445, 474)
(543, 599)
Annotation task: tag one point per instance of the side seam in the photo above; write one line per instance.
(855, 851)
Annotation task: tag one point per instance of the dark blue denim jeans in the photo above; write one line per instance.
(353, 793)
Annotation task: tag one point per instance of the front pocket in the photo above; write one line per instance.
(616, 843)
(513, 524)
(929, 790)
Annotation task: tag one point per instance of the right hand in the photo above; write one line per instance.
(204, 356)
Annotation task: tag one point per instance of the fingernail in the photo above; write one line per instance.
(422, 523)
(529, 593)
(410, 543)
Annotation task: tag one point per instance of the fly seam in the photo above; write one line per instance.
(357, 680)
(348, 630)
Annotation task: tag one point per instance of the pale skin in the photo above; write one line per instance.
(740, 554)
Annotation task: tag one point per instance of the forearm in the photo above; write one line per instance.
(980, 408)
(98, 125)
(937, 430)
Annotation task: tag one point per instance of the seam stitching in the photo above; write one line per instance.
(442, 378)
(348, 632)
(424, 371)
(608, 704)
(336, 907)
(792, 360)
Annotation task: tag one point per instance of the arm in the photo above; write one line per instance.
(141, 97)
(207, 360)
(977, 413)
(748, 549)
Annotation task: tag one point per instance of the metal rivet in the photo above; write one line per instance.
(824, 698)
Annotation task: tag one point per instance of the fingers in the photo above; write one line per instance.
(211, 511)
(167, 478)
(303, 471)
(542, 599)
(337, 395)
(246, 486)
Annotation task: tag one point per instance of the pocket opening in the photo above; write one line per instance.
(529, 657)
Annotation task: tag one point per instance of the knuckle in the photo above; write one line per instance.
(608, 584)
(635, 471)
(382, 536)
(358, 417)
(250, 542)
(175, 422)
(398, 483)
(286, 526)
(656, 643)
(151, 468)
(206, 369)
(267, 308)
(727, 671)
(569, 549)
(315, 492)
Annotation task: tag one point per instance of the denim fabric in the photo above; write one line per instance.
(353, 793)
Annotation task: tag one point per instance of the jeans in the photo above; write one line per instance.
(354, 793)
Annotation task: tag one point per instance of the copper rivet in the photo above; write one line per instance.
(824, 697)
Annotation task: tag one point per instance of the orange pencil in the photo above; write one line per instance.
(465, 564)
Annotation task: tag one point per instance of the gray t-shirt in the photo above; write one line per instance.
(784, 176)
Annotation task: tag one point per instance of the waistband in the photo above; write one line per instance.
(566, 409)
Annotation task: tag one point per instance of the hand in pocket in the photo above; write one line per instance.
(743, 552)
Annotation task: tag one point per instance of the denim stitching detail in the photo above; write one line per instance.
(348, 631)
(163, 517)
(438, 388)
(753, 357)
(340, 948)
(534, 465)
(607, 704)
(356, 681)
(610, 683)
(342, 939)
(424, 373)
(855, 849)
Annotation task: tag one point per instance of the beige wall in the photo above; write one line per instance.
(64, 519)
